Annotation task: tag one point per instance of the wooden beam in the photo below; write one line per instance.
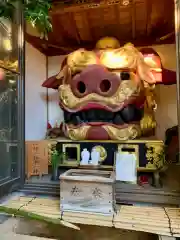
(76, 30)
(117, 13)
(62, 8)
(50, 49)
(43, 45)
(133, 19)
(148, 20)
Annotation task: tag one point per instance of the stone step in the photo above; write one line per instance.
(39, 191)
(124, 193)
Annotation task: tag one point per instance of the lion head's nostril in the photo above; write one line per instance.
(105, 85)
(81, 87)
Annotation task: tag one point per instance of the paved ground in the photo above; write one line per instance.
(22, 229)
(8, 228)
(10, 236)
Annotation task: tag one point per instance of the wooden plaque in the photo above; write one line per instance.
(36, 158)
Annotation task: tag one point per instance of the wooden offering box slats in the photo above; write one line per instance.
(158, 220)
(87, 191)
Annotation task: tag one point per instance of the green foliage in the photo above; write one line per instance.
(36, 12)
(6, 8)
(57, 158)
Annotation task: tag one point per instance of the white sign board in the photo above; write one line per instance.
(126, 167)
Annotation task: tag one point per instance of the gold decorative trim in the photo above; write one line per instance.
(131, 131)
(10, 66)
(85, 5)
(69, 145)
(155, 155)
(77, 133)
(112, 141)
(123, 134)
(127, 90)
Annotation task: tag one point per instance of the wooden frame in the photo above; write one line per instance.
(12, 183)
(177, 33)
(71, 145)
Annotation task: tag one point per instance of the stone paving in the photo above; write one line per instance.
(13, 236)
(22, 229)
(8, 230)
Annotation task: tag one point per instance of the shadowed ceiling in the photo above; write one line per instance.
(82, 23)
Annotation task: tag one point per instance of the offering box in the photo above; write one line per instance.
(87, 191)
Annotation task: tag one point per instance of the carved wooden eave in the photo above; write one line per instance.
(82, 23)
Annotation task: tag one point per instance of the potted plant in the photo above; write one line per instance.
(57, 158)
(55, 163)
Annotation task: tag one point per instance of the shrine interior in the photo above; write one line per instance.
(148, 25)
(90, 118)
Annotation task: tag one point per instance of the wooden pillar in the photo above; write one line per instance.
(177, 34)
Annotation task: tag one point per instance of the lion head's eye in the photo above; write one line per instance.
(125, 76)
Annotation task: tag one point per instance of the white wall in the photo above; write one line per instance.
(54, 111)
(168, 55)
(35, 95)
(166, 115)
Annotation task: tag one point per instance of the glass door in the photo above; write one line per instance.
(11, 104)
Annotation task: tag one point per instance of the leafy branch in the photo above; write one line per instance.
(36, 12)
(57, 157)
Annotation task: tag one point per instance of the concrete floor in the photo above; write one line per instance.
(8, 230)
(22, 229)
(10, 236)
